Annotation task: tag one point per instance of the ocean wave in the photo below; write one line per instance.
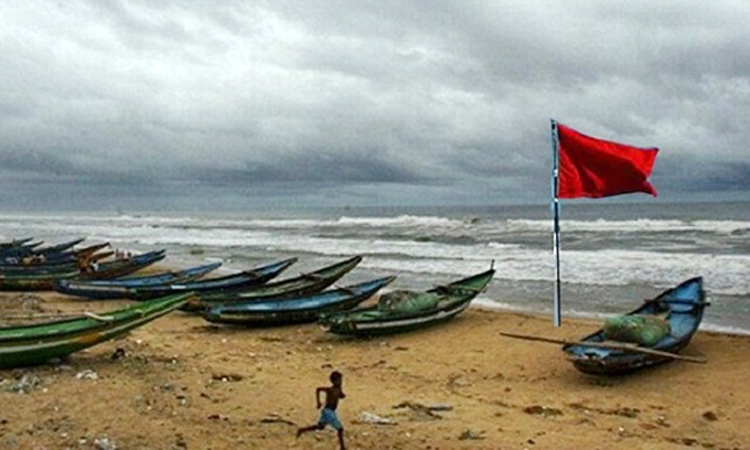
(436, 245)
(403, 221)
(727, 227)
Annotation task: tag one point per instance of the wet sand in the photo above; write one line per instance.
(185, 384)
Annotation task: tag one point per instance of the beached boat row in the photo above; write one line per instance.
(246, 298)
(253, 298)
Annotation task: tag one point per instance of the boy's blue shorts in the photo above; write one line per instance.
(328, 417)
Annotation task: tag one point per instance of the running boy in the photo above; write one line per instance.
(328, 414)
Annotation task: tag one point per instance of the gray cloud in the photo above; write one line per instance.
(433, 97)
(317, 166)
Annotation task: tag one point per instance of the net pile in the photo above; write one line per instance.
(407, 301)
(640, 329)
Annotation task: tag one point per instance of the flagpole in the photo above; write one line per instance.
(556, 309)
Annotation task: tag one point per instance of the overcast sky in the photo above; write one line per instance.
(369, 101)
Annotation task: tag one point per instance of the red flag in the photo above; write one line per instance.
(590, 167)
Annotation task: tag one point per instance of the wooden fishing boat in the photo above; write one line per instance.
(18, 247)
(45, 278)
(305, 284)
(90, 249)
(683, 306)
(39, 256)
(36, 281)
(58, 248)
(121, 267)
(14, 243)
(38, 343)
(294, 310)
(242, 280)
(448, 301)
(119, 287)
(69, 259)
(36, 268)
(80, 256)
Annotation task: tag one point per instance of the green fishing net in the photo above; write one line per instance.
(641, 329)
(407, 301)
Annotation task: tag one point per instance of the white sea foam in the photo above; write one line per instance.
(724, 329)
(725, 227)
(402, 221)
(486, 303)
(634, 226)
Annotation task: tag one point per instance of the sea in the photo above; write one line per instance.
(613, 255)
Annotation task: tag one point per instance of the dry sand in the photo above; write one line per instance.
(184, 384)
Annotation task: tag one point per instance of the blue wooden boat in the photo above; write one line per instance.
(45, 279)
(69, 259)
(119, 287)
(243, 280)
(37, 256)
(447, 301)
(18, 246)
(683, 306)
(297, 309)
(80, 255)
(304, 284)
(14, 243)
(58, 248)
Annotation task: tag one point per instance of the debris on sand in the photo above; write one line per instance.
(373, 419)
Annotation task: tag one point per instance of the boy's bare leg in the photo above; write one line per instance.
(341, 439)
(306, 429)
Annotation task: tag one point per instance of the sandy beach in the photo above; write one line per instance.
(185, 384)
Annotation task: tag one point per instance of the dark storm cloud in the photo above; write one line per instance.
(733, 177)
(314, 166)
(35, 166)
(436, 93)
(693, 175)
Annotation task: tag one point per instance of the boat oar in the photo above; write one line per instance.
(610, 345)
(96, 316)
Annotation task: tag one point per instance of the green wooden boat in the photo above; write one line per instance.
(41, 281)
(304, 284)
(426, 309)
(35, 344)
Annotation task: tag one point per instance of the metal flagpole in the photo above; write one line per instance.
(556, 230)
